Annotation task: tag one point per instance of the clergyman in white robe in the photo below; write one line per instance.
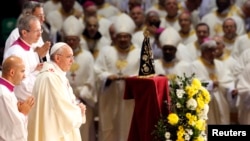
(13, 124)
(219, 108)
(243, 103)
(56, 115)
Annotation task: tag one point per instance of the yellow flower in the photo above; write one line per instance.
(200, 124)
(188, 115)
(200, 102)
(191, 91)
(181, 128)
(173, 119)
(180, 133)
(192, 121)
(194, 117)
(196, 83)
(206, 94)
(198, 110)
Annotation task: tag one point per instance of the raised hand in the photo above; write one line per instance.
(42, 51)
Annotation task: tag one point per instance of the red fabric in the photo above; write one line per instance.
(149, 94)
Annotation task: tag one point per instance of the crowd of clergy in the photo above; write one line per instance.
(208, 38)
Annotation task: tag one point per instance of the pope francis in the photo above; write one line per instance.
(57, 116)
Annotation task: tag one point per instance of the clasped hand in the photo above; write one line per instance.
(83, 108)
(42, 51)
(25, 106)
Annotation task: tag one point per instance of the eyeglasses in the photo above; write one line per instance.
(68, 57)
(36, 31)
(40, 16)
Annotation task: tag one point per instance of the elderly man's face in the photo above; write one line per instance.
(202, 32)
(220, 47)
(123, 40)
(137, 14)
(185, 22)
(229, 29)
(92, 26)
(65, 58)
(171, 7)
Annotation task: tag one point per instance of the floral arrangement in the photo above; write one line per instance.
(188, 111)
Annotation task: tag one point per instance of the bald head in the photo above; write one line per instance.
(13, 69)
(11, 62)
(229, 20)
(92, 20)
(220, 46)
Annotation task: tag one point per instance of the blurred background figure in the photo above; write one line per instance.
(113, 65)
(220, 82)
(224, 9)
(92, 39)
(193, 49)
(186, 32)
(56, 17)
(91, 9)
(231, 63)
(159, 7)
(81, 75)
(170, 61)
(138, 16)
(171, 18)
(51, 5)
(105, 9)
(230, 36)
(151, 25)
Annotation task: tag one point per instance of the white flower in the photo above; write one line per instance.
(186, 137)
(167, 135)
(191, 104)
(178, 105)
(180, 93)
(204, 135)
(203, 113)
(189, 131)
